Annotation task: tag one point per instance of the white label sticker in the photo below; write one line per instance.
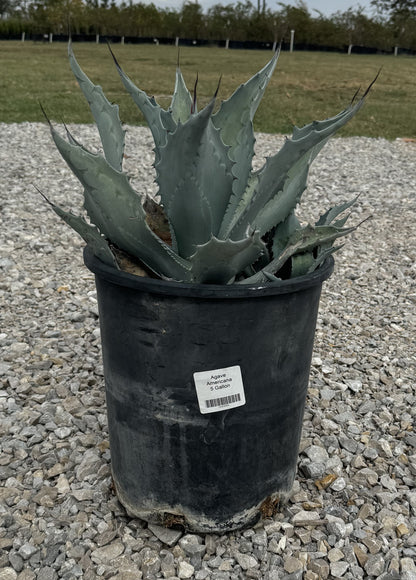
(220, 389)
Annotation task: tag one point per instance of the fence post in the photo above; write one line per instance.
(50, 37)
(350, 48)
(396, 50)
(122, 40)
(227, 43)
(97, 39)
(177, 41)
(23, 36)
(274, 46)
(292, 40)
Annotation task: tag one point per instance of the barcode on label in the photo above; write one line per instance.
(223, 401)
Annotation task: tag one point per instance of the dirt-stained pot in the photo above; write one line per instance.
(206, 388)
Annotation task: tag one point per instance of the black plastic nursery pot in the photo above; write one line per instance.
(206, 388)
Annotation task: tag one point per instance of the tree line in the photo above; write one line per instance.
(392, 22)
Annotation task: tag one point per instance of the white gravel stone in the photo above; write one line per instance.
(338, 569)
(245, 560)
(165, 535)
(305, 516)
(107, 554)
(27, 550)
(317, 454)
(408, 565)
(62, 484)
(8, 574)
(185, 570)
(339, 484)
(375, 565)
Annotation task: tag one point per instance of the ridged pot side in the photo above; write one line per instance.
(172, 464)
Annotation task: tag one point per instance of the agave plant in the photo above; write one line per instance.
(226, 222)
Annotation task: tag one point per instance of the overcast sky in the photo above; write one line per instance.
(327, 7)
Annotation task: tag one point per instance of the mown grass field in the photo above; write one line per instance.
(305, 85)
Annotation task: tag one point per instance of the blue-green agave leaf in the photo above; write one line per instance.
(89, 233)
(237, 112)
(284, 202)
(269, 180)
(304, 240)
(283, 233)
(219, 261)
(235, 119)
(181, 105)
(300, 264)
(191, 221)
(215, 174)
(105, 114)
(116, 209)
(320, 126)
(305, 263)
(159, 120)
(194, 181)
(329, 216)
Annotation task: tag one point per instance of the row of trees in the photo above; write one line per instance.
(393, 22)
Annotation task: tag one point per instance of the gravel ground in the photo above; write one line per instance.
(353, 509)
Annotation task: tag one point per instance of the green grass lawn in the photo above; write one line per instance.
(305, 85)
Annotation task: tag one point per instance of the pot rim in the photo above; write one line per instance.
(173, 288)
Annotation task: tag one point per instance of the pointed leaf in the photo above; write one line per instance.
(329, 216)
(189, 215)
(219, 261)
(299, 133)
(235, 120)
(303, 240)
(105, 114)
(285, 201)
(208, 183)
(89, 233)
(238, 111)
(193, 181)
(181, 104)
(307, 141)
(116, 209)
(215, 174)
(242, 155)
(159, 120)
